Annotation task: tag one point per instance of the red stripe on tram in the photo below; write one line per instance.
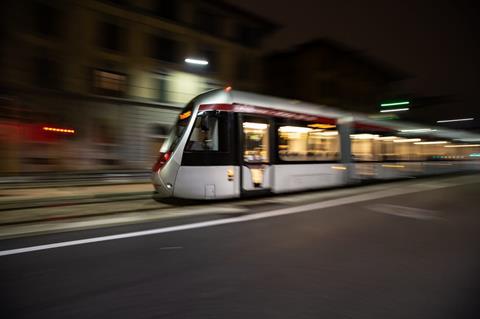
(252, 109)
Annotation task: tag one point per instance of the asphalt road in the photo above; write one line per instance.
(415, 255)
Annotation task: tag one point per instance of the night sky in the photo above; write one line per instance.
(435, 42)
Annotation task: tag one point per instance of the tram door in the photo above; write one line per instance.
(256, 170)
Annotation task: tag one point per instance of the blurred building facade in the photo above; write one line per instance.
(108, 78)
(326, 72)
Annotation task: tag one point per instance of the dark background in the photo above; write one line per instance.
(435, 42)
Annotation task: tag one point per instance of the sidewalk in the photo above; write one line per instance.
(65, 194)
(24, 210)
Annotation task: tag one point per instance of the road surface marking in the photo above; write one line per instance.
(240, 219)
(404, 211)
(171, 248)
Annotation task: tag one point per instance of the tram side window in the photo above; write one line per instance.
(366, 147)
(380, 147)
(256, 144)
(209, 133)
(308, 143)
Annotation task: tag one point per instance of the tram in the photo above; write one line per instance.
(228, 144)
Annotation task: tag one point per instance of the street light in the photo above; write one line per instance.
(456, 120)
(196, 61)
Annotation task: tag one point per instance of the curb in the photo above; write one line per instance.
(80, 183)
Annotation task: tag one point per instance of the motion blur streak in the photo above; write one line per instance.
(395, 110)
(431, 143)
(466, 145)
(408, 140)
(241, 219)
(393, 166)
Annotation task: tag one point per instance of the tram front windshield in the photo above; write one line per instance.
(178, 129)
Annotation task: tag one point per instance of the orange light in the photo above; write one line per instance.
(321, 125)
(60, 130)
(228, 89)
(185, 115)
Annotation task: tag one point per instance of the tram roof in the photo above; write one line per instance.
(291, 105)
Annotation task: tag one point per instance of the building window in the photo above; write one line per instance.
(329, 88)
(111, 37)
(243, 69)
(46, 19)
(308, 142)
(159, 130)
(167, 9)
(248, 35)
(208, 22)
(109, 83)
(161, 86)
(119, 2)
(46, 73)
(164, 49)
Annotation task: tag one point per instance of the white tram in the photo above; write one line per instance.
(229, 144)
